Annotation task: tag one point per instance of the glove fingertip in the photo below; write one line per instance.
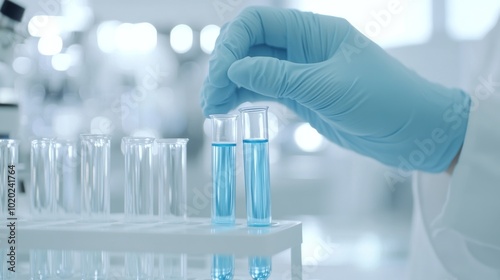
(238, 72)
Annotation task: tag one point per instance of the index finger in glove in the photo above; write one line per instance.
(254, 26)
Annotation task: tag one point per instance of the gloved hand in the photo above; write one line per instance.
(339, 81)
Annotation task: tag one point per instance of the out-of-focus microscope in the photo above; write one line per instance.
(11, 15)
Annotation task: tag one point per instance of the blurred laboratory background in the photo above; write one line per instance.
(135, 68)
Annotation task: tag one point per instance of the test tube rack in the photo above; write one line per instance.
(192, 236)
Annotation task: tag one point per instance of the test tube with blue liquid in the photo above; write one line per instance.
(224, 139)
(224, 168)
(257, 180)
(256, 164)
(259, 267)
(222, 267)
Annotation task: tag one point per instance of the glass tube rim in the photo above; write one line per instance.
(172, 140)
(87, 136)
(223, 116)
(9, 141)
(42, 141)
(254, 109)
(138, 140)
(64, 142)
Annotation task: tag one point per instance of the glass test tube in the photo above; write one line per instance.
(171, 164)
(222, 264)
(260, 267)
(66, 177)
(222, 267)
(63, 263)
(95, 265)
(42, 192)
(138, 178)
(139, 266)
(67, 200)
(256, 164)
(223, 168)
(95, 154)
(8, 167)
(52, 264)
(172, 266)
(40, 267)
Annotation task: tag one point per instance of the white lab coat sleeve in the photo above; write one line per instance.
(472, 207)
(457, 218)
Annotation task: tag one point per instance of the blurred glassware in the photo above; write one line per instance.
(171, 166)
(139, 195)
(95, 164)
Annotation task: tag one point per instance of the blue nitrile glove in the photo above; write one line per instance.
(343, 84)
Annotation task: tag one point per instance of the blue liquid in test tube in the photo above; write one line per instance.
(258, 193)
(260, 267)
(223, 168)
(222, 267)
(224, 182)
(256, 162)
(224, 186)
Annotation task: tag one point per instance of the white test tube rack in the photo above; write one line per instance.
(193, 236)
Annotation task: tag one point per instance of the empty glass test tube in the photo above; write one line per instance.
(40, 267)
(256, 164)
(138, 178)
(171, 166)
(8, 173)
(139, 266)
(66, 179)
(172, 266)
(66, 187)
(95, 159)
(95, 265)
(223, 168)
(42, 193)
